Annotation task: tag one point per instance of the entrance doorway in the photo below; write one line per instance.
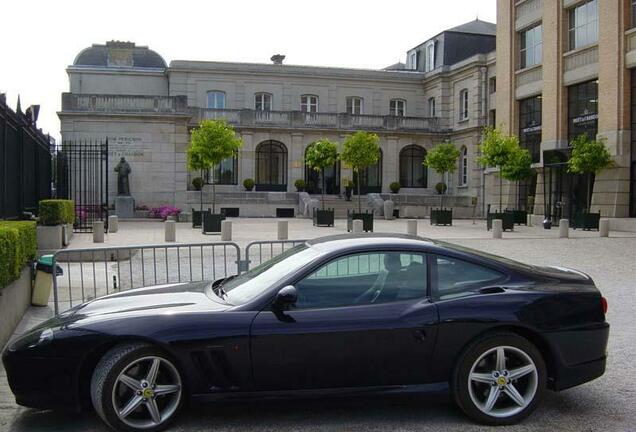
(565, 194)
(370, 179)
(313, 180)
(271, 166)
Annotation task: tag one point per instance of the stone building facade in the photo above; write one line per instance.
(145, 108)
(567, 68)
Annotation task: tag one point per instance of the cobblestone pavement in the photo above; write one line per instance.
(606, 404)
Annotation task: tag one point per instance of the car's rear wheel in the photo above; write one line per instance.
(136, 387)
(499, 379)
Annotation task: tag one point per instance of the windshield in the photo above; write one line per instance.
(245, 287)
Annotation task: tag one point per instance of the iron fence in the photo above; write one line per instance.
(91, 273)
(25, 163)
(260, 251)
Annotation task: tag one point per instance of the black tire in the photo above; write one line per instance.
(105, 377)
(470, 355)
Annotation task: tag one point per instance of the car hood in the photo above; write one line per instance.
(174, 298)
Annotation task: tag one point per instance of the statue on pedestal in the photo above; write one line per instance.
(123, 171)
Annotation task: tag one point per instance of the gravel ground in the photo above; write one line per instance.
(606, 404)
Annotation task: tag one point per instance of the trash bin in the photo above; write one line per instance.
(44, 280)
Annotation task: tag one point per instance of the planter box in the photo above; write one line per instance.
(50, 237)
(519, 217)
(586, 221)
(441, 217)
(508, 221)
(212, 222)
(197, 217)
(15, 299)
(323, 218)
(142, 214)
(366, 217)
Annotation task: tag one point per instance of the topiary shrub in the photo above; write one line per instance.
(197, 183)
(395, 187)
(18, 246)
(56, 212)
(300, 185)
(248, 184)
(441, 188)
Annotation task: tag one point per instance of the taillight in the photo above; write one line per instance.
(604, 304)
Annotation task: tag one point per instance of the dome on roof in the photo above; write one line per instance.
(120, 54)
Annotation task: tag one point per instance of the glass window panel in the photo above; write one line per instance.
(365, 278)
(457, 278)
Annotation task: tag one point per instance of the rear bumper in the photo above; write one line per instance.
(579, 356)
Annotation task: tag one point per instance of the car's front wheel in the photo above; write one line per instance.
(136, 387)
(499, 379)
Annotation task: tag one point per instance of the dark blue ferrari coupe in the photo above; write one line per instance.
(334, 316)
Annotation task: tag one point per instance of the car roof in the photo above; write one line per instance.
(345, 241)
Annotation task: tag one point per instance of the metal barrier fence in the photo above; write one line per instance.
(91, 273)
(260, 251)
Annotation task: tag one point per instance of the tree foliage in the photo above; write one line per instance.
(361, 150)
(589, 156)
(497, 148)
(442, 158)
(321, 154)
(519, 166)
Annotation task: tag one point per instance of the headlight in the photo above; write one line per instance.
(34, 339)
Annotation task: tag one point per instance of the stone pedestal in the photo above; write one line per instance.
(125, 207)
(564, 228)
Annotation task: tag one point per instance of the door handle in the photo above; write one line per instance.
(420, 335)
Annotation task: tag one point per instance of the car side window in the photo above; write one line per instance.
(457, 278)
(364, 278)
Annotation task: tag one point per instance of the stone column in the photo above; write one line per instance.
(247, 167)
(296, 160)
(389, 162)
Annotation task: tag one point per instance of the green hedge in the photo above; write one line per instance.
(18, 246)
(56, 212)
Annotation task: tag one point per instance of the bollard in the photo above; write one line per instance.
(497, 228)
(226, 230)
(170, 228)
(411, 227)
(113, 224)
(357, 225)
(282, 230)
(529, 220)
(564, 228)
(98, 232)
(603, 227)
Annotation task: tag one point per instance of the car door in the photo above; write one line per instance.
(361, 320)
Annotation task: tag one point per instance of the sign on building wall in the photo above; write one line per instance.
(130, 146)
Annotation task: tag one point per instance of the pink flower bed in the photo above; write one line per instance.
(163, 212)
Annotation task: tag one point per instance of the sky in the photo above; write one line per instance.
(42, 37)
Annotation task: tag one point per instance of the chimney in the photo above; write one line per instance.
(277, 59)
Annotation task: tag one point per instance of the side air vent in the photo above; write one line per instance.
(215, 369)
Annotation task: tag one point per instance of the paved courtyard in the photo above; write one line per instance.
(607, 404)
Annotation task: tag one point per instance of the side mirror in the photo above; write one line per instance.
(286, 297)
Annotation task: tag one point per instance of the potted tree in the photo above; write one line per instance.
(211, 142)
(518, 168)
(300, 185)
(320, 155)
(589, 157)
(442, 158)
(360, 151)
(248, 184)
(497, 150)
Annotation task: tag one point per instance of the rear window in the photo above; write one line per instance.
(506, 261)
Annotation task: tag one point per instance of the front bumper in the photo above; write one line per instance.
(42, 382)
(579, 356)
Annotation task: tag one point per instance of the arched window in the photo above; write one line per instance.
(216, 99)
(397, 107)
(271, 166)
(263, 102)
(413, 173)
(370, 179)
(313, 178)
(463, 166)
(309, 103)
